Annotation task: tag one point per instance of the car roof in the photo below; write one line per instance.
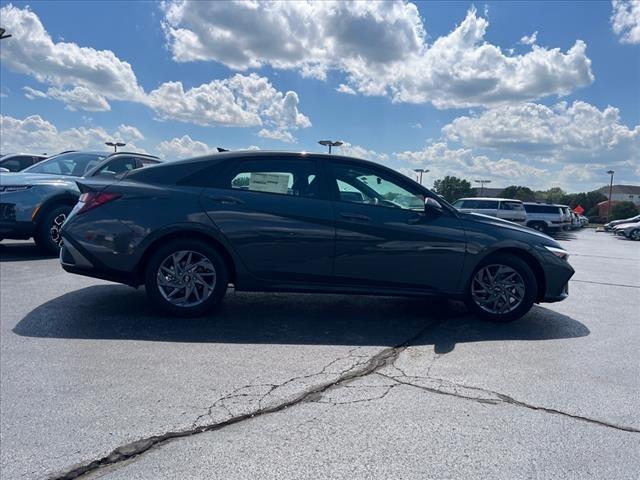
(258, 154)
(9, 155)
(137, 154)
(491, 198)
(543, 203)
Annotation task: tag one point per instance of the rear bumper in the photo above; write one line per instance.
(75, 259)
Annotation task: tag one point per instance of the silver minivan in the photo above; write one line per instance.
(505, 208)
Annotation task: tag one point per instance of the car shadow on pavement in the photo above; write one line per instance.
(23, 251)
(114, 312)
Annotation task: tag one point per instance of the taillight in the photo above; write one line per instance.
(91, 200)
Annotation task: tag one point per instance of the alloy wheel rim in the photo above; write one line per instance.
(56, 225)
(635, 235)
(186, 278)
(497, 289)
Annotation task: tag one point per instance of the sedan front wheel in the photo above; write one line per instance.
(502, 289)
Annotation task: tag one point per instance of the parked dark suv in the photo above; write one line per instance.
(296, 222)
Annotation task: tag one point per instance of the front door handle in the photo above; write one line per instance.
(226, 200)
(415, 220)
(355, 217)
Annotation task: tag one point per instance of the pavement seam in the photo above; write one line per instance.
(128, 451)
(606, 283)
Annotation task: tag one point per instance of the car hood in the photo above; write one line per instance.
(20, 178)
(500, 223)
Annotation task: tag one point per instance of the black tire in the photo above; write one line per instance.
(200, 247)
(530, 288)
(635, 234)
(47, 236)
(539, 226)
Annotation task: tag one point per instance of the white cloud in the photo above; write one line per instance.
(380, 46)
(625, 20)
(529, 39)
(442, 160)
(281, 135)
(87, 79)
(32, 51)
(129, 133)
(183, 147)
(342, 88)
(75, 98)
(35, 134)
(578, 132)
(358, 151)
(241, 100)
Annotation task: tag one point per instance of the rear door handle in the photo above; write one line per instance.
(355, 216)
(226, 200)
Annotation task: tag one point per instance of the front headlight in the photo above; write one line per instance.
(558, 252)
(14, 188)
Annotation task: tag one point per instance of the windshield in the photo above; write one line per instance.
(72, 164)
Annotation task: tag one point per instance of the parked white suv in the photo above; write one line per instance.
(545, 217)
(505, 208)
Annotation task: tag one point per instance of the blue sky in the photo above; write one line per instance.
(460, 88)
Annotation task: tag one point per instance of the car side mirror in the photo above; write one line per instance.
(432, 206)
(2, 169)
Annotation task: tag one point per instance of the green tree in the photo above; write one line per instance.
(452, 188)
(623, 210)
(553, 195)
(519, 193)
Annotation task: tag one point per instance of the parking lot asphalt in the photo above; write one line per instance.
(299, 386)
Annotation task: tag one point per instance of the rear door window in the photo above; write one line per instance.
(514, 206)
(484, 204)
(297, 178)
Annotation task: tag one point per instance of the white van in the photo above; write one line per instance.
(505, 208)
(546, 217)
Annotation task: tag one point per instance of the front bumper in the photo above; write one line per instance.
(564, 293)
(16, 230)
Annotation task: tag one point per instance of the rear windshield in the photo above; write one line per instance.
(511, 206)
(542, 209)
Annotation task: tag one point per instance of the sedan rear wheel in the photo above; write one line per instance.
(186, 277)
(502, 289)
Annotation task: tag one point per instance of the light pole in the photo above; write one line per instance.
(115, 145)
(610, 172)
(3, 34)
(420, 171)
(329, 143)
(482, 182)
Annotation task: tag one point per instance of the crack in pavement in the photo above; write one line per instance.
(494, 398)
(364, 366)
(136, 448)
